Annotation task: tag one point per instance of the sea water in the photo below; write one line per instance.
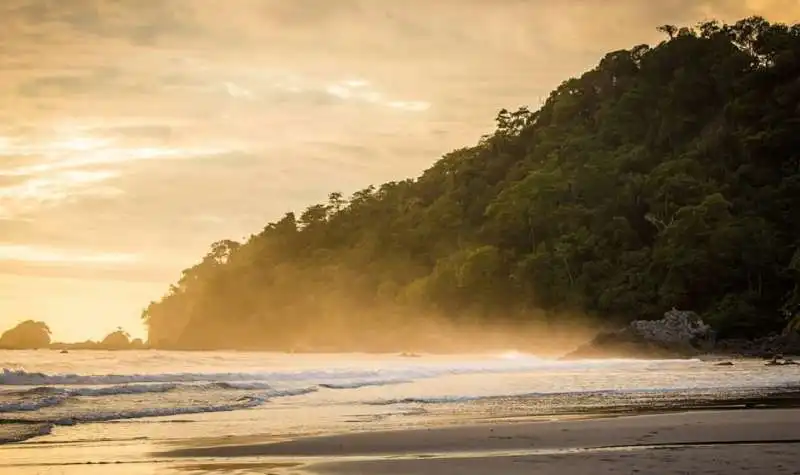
(157, 396)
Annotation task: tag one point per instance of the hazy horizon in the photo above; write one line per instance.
(135, 134)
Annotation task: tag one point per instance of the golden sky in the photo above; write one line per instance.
(133, 133)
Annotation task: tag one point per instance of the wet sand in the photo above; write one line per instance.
(753, 441)
(12, 432)
(750, 460)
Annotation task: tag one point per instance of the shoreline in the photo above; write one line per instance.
(318, 444)
(528, 409)
(687, 441)
(762, 438)
(713, 356)
(446, 421)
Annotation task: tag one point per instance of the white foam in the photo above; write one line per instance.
(425, 400)
(24, 378)
(121, 389)
(340, 376)
(252, 385)
(102, 416)
(288, 392)
(600, 393)
(31, 405)
(245, 402)
(42, 397)
(362, 384)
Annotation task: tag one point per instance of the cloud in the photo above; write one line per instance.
(139, 22)
(64, 165)
(41, 254)
(81, 152)
(146, 132)
(93, 81)
(34, 193)
(360, 90)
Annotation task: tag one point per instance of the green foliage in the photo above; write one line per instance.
(666, 176)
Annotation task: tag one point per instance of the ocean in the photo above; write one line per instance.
(162, 398)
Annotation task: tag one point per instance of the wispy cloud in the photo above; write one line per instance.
(54, 168)
(34, 193)
(70, 151)
(49, 255)
(360, 90)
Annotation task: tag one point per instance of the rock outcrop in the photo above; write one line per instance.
(676, 328)
(787, 343)
(678, 334)
(118, 340)
(28, 335)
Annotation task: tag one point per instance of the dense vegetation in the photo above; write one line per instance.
(667, 176)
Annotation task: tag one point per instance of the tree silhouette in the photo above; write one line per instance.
(670, 30)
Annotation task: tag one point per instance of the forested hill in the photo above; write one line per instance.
(667, 176)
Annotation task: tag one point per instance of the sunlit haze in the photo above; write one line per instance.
(135, 133)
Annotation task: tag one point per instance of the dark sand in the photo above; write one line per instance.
(17, 432)
(752, 441)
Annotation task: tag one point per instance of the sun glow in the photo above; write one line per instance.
(511, 355)
(80, 144)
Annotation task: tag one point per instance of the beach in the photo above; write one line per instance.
(269, 413)
(724, 442)
(751, 441)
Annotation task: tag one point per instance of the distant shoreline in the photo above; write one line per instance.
(709, 357)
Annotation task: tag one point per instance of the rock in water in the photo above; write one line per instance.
(678, 334)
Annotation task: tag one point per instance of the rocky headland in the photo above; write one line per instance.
(681, 334)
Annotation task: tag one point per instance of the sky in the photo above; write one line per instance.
(134, 133)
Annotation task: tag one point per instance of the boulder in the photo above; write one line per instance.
(676, 328)
(678, 334)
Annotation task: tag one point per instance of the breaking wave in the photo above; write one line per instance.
(32, 402)
(332, 377)
(43, 397)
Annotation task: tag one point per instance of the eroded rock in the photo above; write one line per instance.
(678, 334)
(677, 327)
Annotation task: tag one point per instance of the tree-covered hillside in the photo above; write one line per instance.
(667, 176)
